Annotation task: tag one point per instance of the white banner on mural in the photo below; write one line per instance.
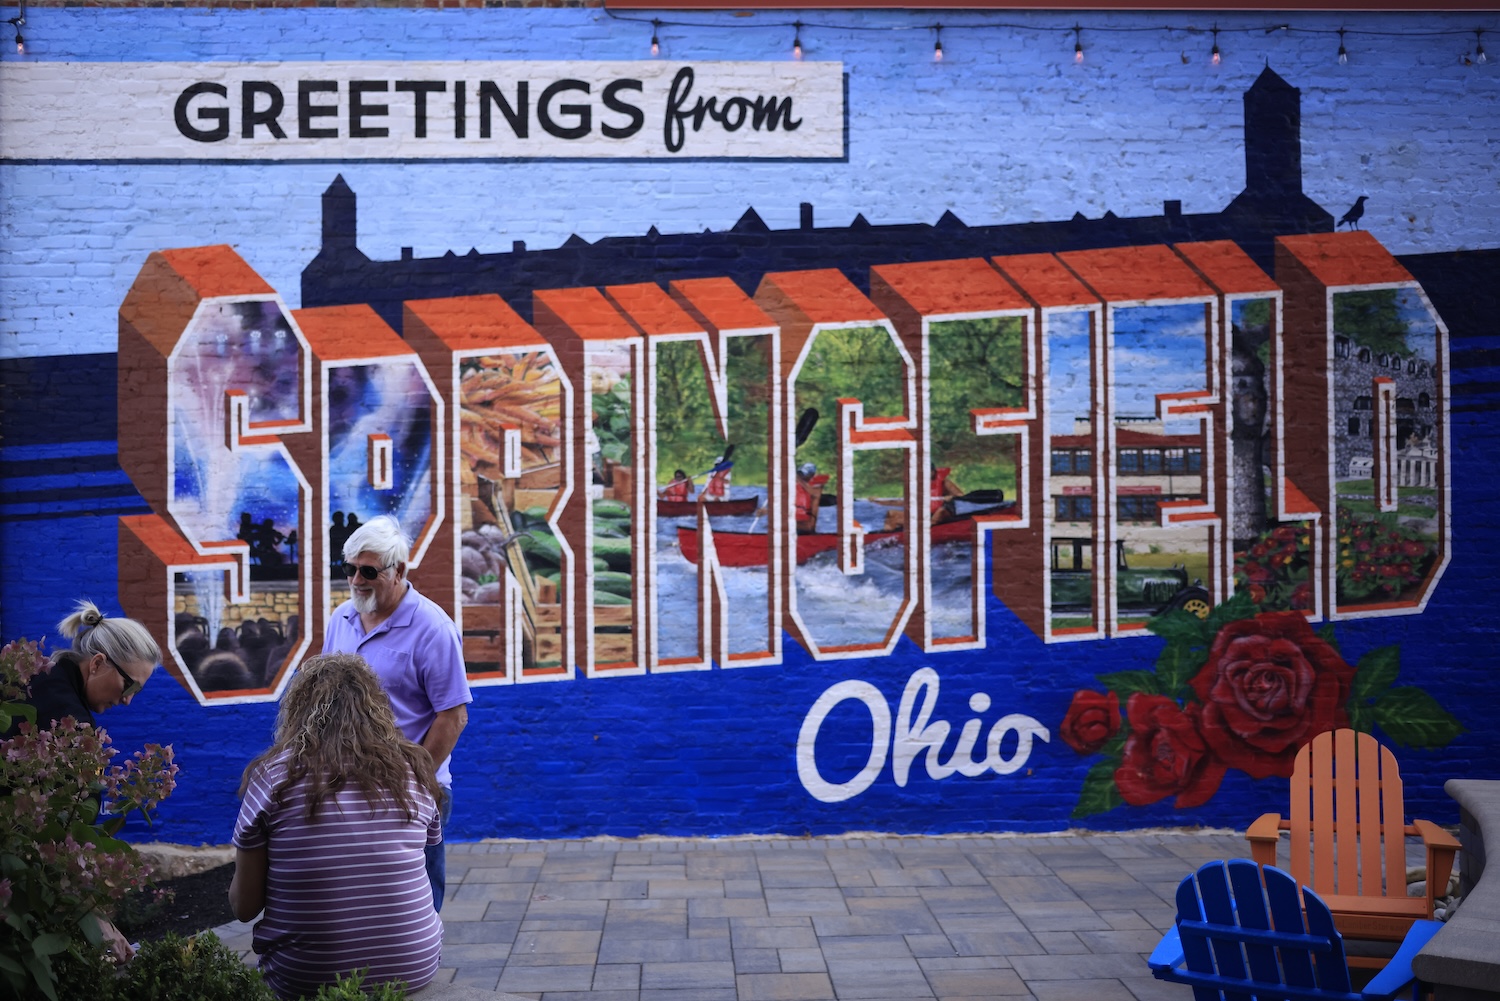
(420, 110)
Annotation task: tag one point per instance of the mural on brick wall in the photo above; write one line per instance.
(890, 525)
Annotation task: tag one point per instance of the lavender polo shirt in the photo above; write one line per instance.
(418, 656)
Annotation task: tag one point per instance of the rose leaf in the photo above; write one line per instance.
(1127, 683)
(1178, 626)
(1177, 665)
(1098, 794)
(1375, 673)
(1412, 718)
(1361, 716)
(1238, 607)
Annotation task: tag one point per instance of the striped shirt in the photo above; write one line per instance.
(345, 891)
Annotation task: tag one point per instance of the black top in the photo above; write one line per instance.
(56, 693)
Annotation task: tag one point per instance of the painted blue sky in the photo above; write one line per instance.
(1005, 129)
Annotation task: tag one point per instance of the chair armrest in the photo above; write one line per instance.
(1168, 952)
(1397, 973)
(1441, 847)
(1263, 835)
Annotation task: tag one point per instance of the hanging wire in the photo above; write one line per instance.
(16, 22)
(1215, 52)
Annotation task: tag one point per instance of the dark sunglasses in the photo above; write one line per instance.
(131, 685)
(368, 573)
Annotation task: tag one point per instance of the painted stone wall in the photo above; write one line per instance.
(855, 442)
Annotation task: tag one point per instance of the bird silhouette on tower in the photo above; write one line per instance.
(1356, 211)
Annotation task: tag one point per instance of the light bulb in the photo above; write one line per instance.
(1217, 58)
(1078, 52)
(1479, 56)
(797, 40)
(20, 45)
(937, 45)
(655, 42)
(1343, 52)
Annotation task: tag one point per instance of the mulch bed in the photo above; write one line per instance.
(187, 906)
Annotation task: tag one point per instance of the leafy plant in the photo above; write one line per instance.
(200, 968)
(60, 864)
(351, 988)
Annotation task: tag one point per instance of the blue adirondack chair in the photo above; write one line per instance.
(1237, 936)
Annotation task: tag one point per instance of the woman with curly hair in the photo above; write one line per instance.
(331, 835)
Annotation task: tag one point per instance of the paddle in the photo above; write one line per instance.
(805, 425)
(728, 454)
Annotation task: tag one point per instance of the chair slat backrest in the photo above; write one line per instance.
(1240, 924)
(1253, 914)
(1347, 816)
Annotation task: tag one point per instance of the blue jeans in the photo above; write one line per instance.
(437, 862)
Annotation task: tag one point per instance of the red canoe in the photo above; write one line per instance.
(716, 509)
(752, 549)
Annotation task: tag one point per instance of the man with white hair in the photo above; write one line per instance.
(414, 649)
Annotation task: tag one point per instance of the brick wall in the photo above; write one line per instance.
(1007, 133)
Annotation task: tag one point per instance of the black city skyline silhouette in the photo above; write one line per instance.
(1272, 204)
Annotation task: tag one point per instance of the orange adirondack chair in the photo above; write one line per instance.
(1348, 838)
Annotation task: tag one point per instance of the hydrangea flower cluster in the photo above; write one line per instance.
(60, 864)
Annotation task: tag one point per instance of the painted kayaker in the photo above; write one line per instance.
(809, 495)
(717, 487)
(680, 489)
(942, 494)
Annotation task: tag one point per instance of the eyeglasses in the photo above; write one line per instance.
(131, 685)
(368, 573)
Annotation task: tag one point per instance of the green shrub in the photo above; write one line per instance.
(200, 968)
(351, 988)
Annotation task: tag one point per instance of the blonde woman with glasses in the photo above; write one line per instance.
(110, 660)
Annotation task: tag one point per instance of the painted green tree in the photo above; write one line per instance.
(975, 364)
(687, 436)
(1371, 319)
(862, 363)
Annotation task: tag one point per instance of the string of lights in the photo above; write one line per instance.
(1470, 57)
(1474, 56)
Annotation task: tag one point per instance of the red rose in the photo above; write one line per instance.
(1092, 719)
(1166, 755)
(1270, 685)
